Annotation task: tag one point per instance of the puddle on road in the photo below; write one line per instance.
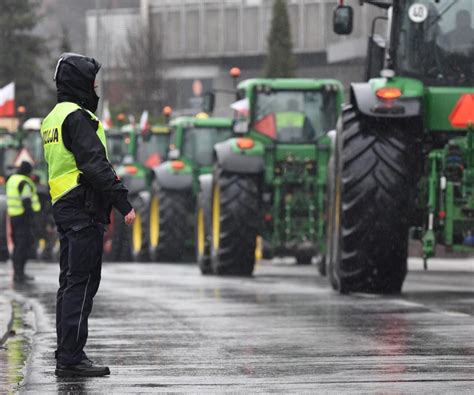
(15, 351)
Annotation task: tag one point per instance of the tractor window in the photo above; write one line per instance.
(34, 144)
(152, 150)
(117, 148)
(199, 143)
(436, 44)
(7, 157)
(295, 116)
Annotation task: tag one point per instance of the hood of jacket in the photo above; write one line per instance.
(75, 76)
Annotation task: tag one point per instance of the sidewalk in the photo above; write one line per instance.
(6, 316)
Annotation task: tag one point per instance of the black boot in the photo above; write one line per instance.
(28, 277)
(18, 278)
(85, 368)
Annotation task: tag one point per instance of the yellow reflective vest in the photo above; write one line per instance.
(63, 173)
(15, 198)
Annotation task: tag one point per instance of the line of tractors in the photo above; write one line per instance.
(297, 173)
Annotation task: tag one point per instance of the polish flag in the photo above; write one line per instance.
(106, 117)
(144, 124)
(7, 100)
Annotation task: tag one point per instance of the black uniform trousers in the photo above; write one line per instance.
(80, 272)
(22, 234)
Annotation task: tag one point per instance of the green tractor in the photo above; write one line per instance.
(404, 153)
(269, 183)
(177, 186)
(136, 156)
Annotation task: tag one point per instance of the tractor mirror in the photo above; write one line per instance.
(208, 102)
(240, 127)
(375, 57)
(343, 18)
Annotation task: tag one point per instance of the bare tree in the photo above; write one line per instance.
(143, 60)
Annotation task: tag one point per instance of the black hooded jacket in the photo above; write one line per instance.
(99, 188)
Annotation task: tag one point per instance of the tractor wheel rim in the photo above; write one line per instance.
(154, 221)
(216, 216)
(258, 249)
(137, 234)
(200, 232)
(41, 246)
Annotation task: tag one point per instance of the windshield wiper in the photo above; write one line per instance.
(441, 14)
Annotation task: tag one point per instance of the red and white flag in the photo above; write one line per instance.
(7, 100)
(106, 117)
(144, 124)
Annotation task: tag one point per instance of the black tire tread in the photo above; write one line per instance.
(239, 214)
(376, 171)
(175, 209)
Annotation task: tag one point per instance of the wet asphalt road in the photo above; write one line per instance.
(167, 328)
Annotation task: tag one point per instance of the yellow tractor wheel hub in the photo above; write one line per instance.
(216, 217)
(201, 236)
(137, 234)
(154, 221)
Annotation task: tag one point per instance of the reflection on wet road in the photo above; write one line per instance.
(166, 328)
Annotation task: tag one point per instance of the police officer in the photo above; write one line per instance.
(83, 187)
(22, 203)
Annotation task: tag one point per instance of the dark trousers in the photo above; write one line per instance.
(22, 234)
(80, 270)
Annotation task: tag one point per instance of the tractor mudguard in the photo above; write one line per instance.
(239, 161)
(134, 184)
(173, 180)
(366, 101)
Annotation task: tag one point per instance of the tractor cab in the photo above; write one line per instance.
(193, 138)
(117, 147)
(433, 41)
(430, 40)
(294, 111)
(153, 146)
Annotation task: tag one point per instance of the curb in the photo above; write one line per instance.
(6, 319)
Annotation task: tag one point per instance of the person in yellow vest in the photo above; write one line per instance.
(22, 203)
(84, 188)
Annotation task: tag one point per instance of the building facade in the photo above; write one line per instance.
(202, 39)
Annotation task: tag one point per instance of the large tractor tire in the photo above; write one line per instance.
(124, 243)
(203, 228)
(373, 186)
(171, 229)
(235, 220)
(4, 253)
